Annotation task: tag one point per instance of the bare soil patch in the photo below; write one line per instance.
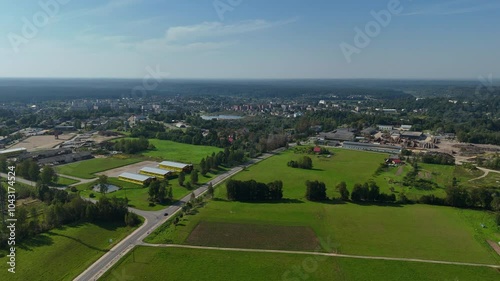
(42, 142)
(253, 236)
(495, 246)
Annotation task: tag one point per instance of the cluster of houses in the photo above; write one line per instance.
(383, 138)
(165, 170)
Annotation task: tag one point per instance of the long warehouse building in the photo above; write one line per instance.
(154, 172)
(372, 147)
(135, 178)
(176, 167)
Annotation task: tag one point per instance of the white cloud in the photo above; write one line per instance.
(218, 29)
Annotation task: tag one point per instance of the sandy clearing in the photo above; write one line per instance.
(42, 142)
(133, 168)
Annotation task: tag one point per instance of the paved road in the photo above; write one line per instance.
(153, 219)
(320, 254)
(28, 182)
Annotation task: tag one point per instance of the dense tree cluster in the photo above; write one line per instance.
(438, 158)
(132, 146)
(316, 191)
(28, 169)
(63, 208)
(370, 192)
(483, 198)
(247, 191)
(303, 163)
(160, 192)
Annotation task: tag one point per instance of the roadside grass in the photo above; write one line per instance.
(62, 181)
(148, 263)
(62, 254)
(86, 169)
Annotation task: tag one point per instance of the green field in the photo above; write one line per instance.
(138, 195)
(86, 169)
(255, 236)
(491, 180)
(441, 174)
(146, 263)
(174, 151)
(412, 231)
(62, 254)
(345, 165)
(62, 181)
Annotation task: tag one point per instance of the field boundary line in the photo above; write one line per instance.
(319, 254)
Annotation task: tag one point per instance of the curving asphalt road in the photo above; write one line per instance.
(153, 219)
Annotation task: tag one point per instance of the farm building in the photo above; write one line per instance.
(176, 167)
(154, 172)
(12, 152)
(339, 135)
(135, 178)
(372, 147)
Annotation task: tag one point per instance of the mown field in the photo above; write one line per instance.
(87, 169)
(62, 181)
(410, 231)
(180, 152)
(63, 253)
(146, 263)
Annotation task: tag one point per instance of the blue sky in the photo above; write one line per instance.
(251, 38)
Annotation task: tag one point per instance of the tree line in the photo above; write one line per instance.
(251, 190)
(303, 163)
(62, 209)
(132, 146)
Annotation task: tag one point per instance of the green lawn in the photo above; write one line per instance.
(62, 181)
(413, 231)
(146, 263)
(64, 253)
(86, 169)
(138, 195)
(345, 165)
(174, 151)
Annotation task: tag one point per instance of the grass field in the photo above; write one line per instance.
(346, 165)
(86, 169)
(62, 181)
(255, 236)
(412, 231)
(64, 253)
(441, 174)
(174, 151)
(492, 180)
(138, 195)
(146, 263)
